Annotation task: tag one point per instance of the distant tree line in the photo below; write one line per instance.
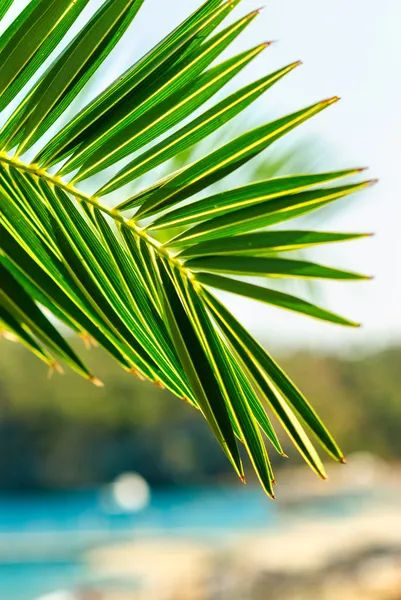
(62, 432)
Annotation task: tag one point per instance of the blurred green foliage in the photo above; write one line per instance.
(63, 432)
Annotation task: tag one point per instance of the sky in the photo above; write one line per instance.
(351, 49)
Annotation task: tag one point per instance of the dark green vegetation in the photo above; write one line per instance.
(104, 272)
(62, 433)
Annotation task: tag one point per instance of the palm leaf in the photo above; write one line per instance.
(44, 26)
(4, 6)
(103, 273)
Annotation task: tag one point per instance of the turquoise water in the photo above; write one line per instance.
(43, 537)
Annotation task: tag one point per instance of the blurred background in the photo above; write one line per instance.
(121, 493)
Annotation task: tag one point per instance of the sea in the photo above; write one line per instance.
(44, 538)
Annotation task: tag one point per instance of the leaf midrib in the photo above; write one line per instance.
(94, 201)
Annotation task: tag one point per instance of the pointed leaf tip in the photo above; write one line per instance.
(137, 374)
(252, 14)
(54, 366)
(256, 11)
(332, 100)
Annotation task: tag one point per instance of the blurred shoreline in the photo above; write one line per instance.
(318, 541)
(355, 556)
(358, 558)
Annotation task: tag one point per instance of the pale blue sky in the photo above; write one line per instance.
(349, 48)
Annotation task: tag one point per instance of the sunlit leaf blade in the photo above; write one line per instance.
(12, 324)
(69, 273)
(203, 125)
(281, 393)
(272, 297)
(188, 34)
(265, 213)
(30, 313)
(137, 91)
(230, 386)
(102, 281)
(276, 403)
(21, 190)
(4, 6)
(117, 138)
(225, 160)
(34, 27)
(66, 77)
(33, 289)
(268, 267)
(248, 195)
(254, 401)
(147, 321)
(140, 261)
(29, 41)
(265, 242)
(198, 369)
(51, 275)
(96, 297)
(44, 272)
(278, 377)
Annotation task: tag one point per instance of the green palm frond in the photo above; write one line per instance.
(102, 270)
